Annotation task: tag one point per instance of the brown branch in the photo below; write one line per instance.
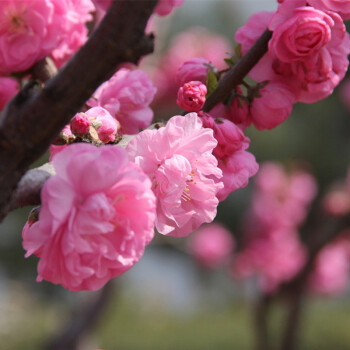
(261, 322)
(33, 118)
(237, 73)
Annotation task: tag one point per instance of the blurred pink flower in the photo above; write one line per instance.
(331, 270)
(165, 7)
(212, 245)
(195, 69)
(96, 217)
(127, 96)
(178, 159)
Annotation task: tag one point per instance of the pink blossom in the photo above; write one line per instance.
(127, 96)
(178, 159)
(342, 7)
(96, 217)
(195, 69)
(236, 171)
(331, 271)
(108, 128)
(301, 35)
(272, 107)
(229, 136)
(237, 112)
(236, 164)
(164, 7)
(29, 30)
(80, 124)
(191, 96)
(337, 202)
(103, 4)
(309, 79)
(8, 89)
(211, 245)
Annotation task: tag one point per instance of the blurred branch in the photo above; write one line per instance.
(327, 230)
(83, 322)
(30, 122)
(237, 73)
(261, 322)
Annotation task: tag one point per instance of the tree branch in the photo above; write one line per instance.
(237, 73)
(33, 118)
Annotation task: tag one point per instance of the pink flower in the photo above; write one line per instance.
(8, 89)
(127, 96)
(273, 107)
(337, 202)
(331, 271)
(195, 69)
(164, 7)
(108, 128)
(236, 171)
(301, 35)
(211, 245)
(342, 7)
(96, 217)
(310, 78)
(29, 30)
(191, 96)
(178, 159)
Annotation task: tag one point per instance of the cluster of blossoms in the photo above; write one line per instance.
(99, 211)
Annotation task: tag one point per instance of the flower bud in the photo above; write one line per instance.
(191, 96)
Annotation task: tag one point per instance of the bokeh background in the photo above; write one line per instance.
(166, 301)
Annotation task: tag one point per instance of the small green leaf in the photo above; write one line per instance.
(238, 50)
(229, 61)
(212, 83)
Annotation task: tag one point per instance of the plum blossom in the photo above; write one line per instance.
(309, 59)
(178, 158)
(236, 163)
(272, 107)
(97, 216)
(127, 96)
(211, 245)
(342, 7)
(191, 96)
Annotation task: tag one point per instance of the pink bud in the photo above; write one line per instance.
(107, 127)
(80, 124)
(191, 96)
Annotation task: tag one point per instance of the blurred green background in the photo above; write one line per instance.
(164, 302)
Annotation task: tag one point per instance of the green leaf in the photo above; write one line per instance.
(229, 61)
(212, 83)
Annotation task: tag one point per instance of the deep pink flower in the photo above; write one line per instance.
(211, 245)
(164, 7)
(178, 159)
(96, 217)
(273, 106)
(195, 69)
(342, 7)
(8, 89)
(191, 96)
(80, 124)
(127, 96)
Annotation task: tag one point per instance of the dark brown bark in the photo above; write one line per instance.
(237, 73)
(31, 121)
